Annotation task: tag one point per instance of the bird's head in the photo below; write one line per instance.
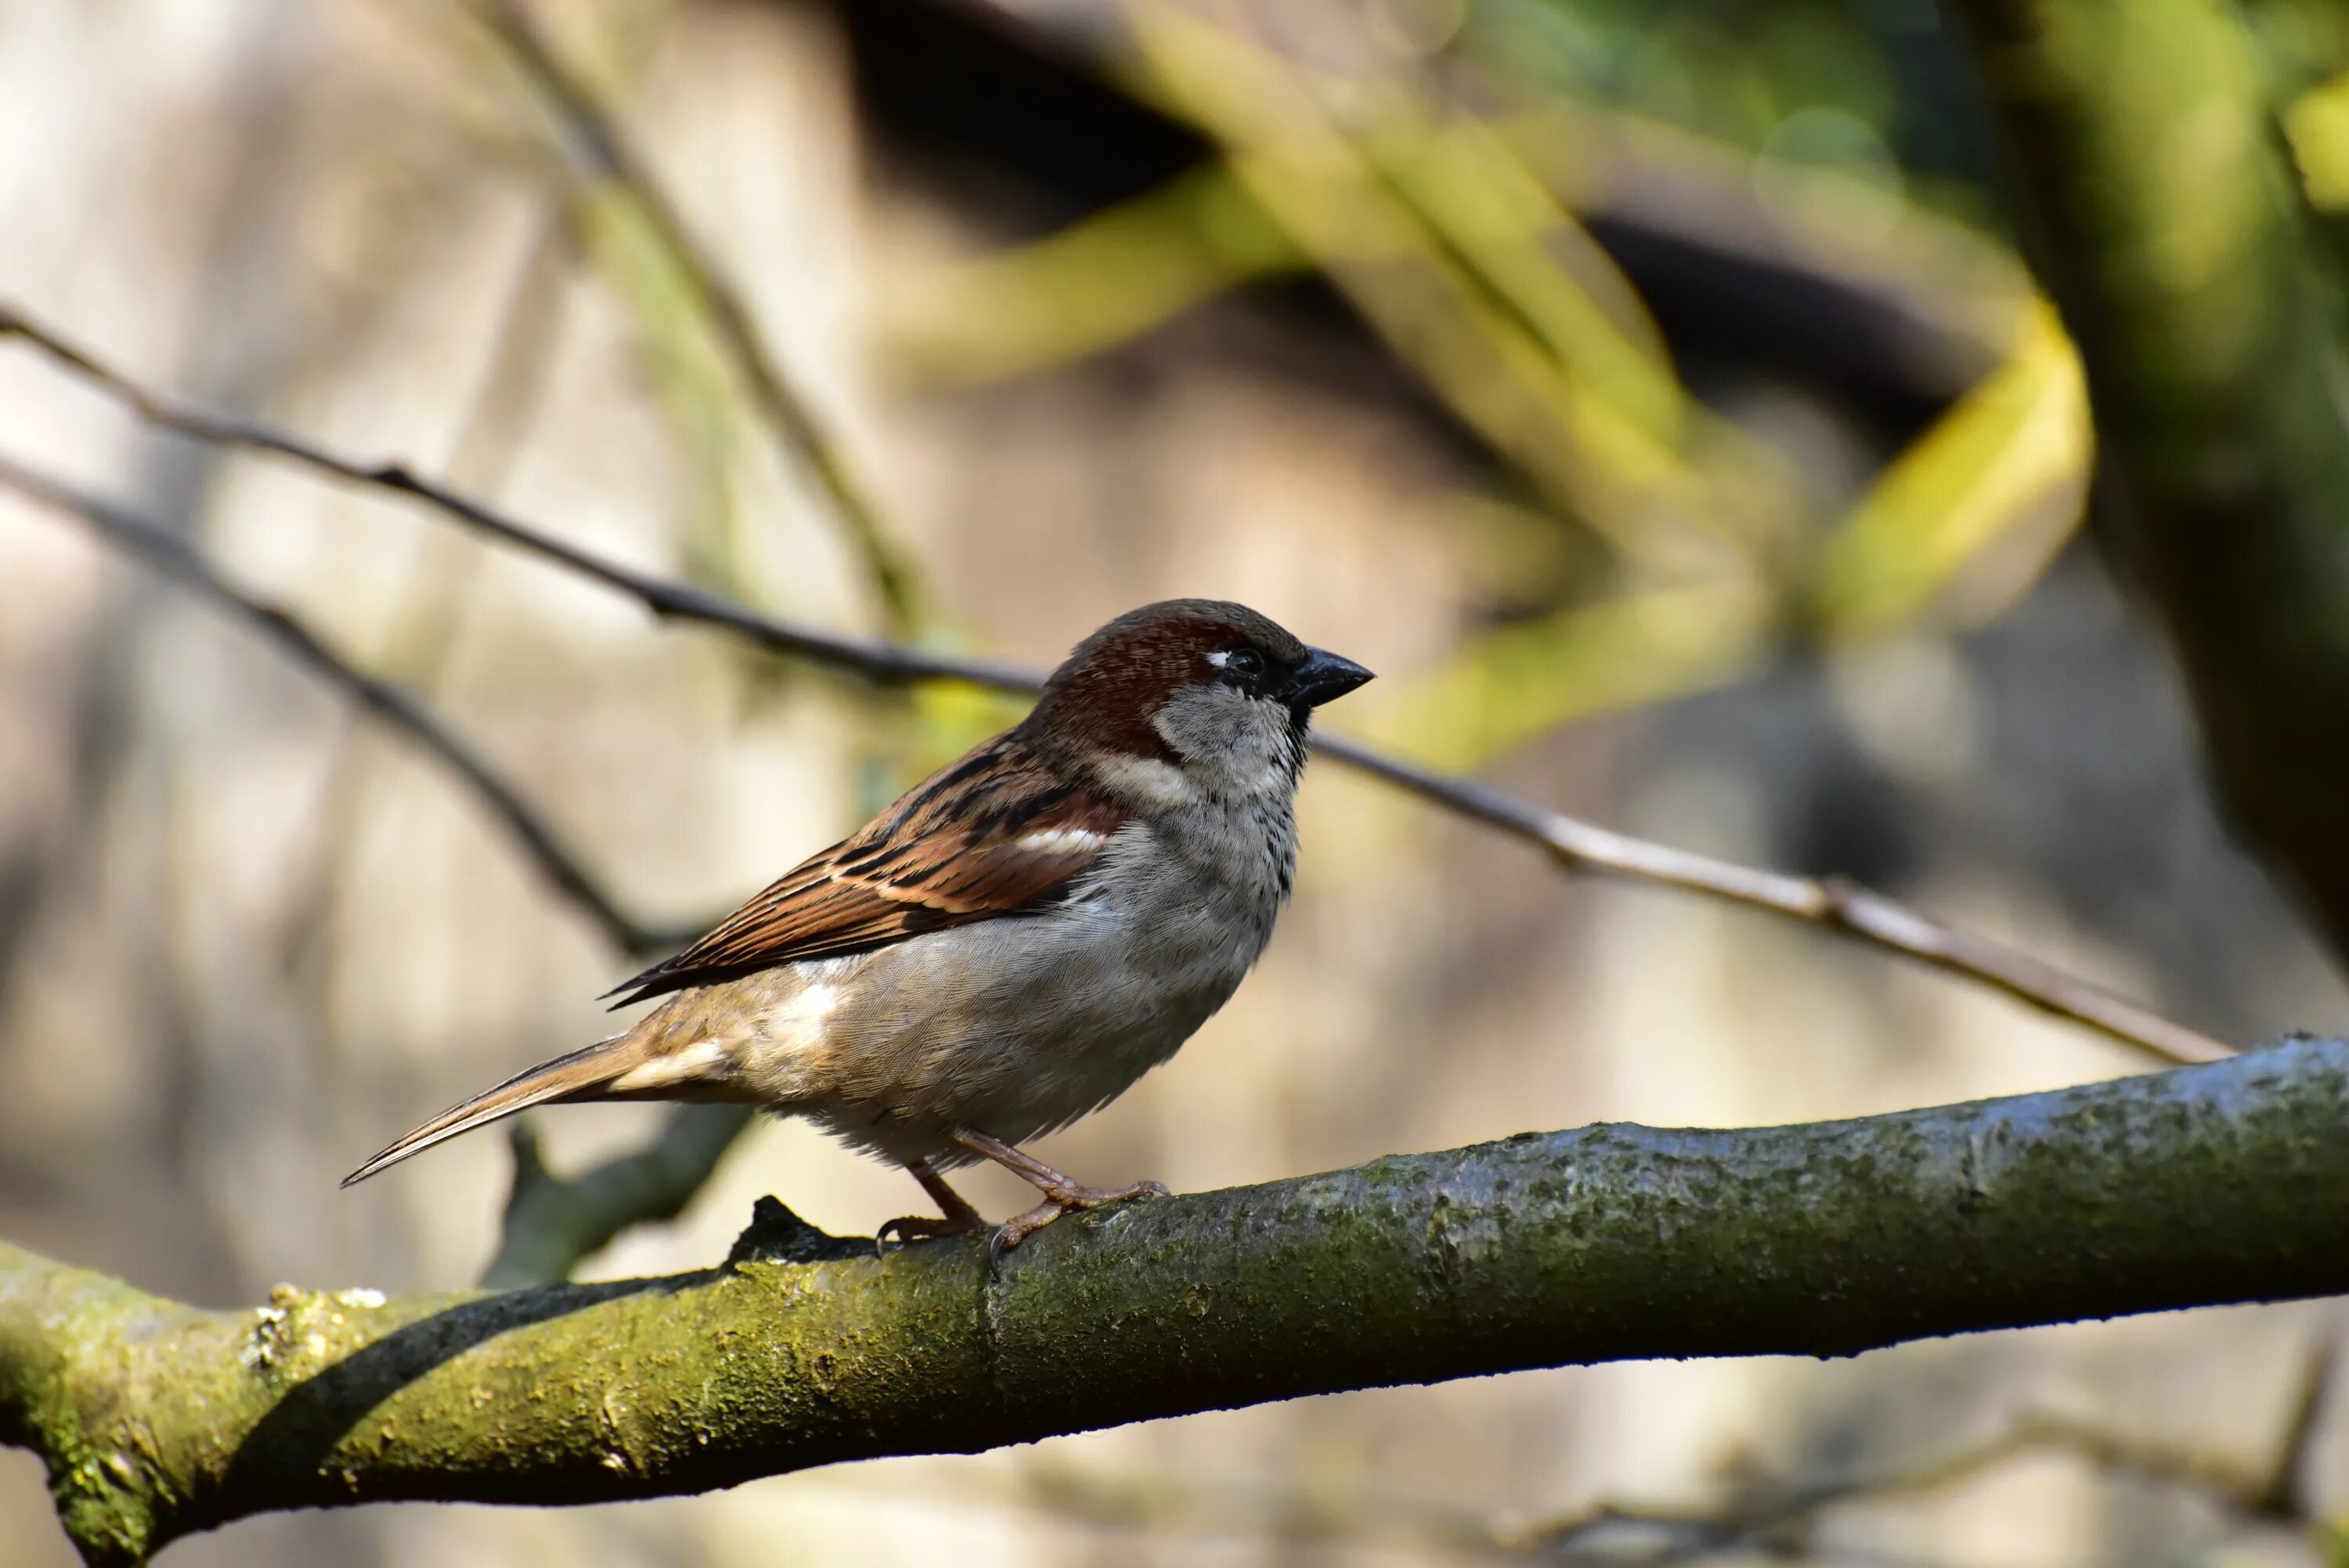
(1188, 697)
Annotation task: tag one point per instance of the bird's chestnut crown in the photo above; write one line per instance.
(1116, 681)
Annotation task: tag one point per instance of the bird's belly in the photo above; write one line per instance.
(1013, 1027)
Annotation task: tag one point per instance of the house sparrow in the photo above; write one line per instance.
(1012, 944)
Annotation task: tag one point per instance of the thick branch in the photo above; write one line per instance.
(1865, 916)
(2166, 226)
(2197, 1186)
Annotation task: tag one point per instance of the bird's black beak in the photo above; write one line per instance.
(1321, 677)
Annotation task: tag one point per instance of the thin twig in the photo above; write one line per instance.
(553, 1222)
(1780, 1520)
(885, 662)
(2285, 1495)
(167, 553)
(1776, 1519)
(601, 154)
(430, 605)
(1833, 903)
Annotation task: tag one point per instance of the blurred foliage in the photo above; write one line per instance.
(679, 352)
(2301, 42)
(1433, 160)
(1478, 279)
(1975, 506)
(1526, 677)
(686, 371)
(1433, 169)
(2317, 126)
(1868, 87)
(663, 284)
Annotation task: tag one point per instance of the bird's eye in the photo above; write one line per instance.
(1244, 662)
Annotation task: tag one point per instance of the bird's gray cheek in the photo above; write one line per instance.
(1202, 721)
(1220, 730)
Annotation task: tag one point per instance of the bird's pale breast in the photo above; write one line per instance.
(1014, 1025)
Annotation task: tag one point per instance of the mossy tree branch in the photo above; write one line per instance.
(2165, 222)
(2198, 1186)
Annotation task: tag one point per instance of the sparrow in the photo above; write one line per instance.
(1013, 942)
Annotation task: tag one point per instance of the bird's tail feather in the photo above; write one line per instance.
(579, 1075)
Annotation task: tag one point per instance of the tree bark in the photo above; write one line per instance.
(2162, 214)
(2203, 1185)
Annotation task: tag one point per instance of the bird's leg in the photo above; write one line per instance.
(960, 1217)
(1060, 1194)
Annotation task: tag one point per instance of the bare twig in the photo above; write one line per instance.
(2285, 1494)
(429, 604)
(174, 557)
(1770, 1517)
(1833, 902)
(1163, 1502)
(868, 660)
(1780, 1519)
(1837, 905)
(553, 1222)
(601, 154)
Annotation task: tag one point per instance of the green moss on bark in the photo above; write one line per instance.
(2183, 1189)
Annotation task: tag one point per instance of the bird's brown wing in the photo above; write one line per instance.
(996, 833)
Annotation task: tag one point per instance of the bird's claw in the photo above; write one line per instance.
(1060, 1201)
(910, 1228)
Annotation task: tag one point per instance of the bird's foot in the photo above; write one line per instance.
(960, 1218)
(1061, 1199)
(920, 1228)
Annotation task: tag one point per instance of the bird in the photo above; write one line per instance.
(1012, 944)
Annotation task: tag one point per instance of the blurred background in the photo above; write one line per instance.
(1649, 393)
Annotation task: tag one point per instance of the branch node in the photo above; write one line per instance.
(1837, 896)
(777, 1235)
(529, 1162)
